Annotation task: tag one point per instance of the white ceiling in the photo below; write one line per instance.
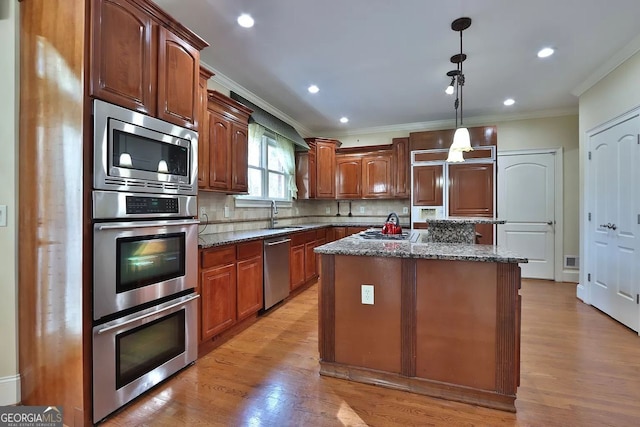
(384, 62)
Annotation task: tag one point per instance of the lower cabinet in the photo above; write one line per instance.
(303, 261)
(230, 286)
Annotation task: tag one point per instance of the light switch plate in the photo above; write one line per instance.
(226, 212)
(361, 209)
(405, 210)
(3, 215)
(327, 210)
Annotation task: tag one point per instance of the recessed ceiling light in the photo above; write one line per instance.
(509, 101)
(343, 120)
(245, 20)
(545, 52)
(313, 89)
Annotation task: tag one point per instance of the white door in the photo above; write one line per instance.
(526, 200)
(613, 224)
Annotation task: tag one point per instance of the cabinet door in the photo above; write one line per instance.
(310, 270)
(340, 232)
(219, 155)
(178, 76)
(348, 177)
(471, 189)
(427, 185)
(239, 158)
(402, 163)
(218, 294)
(250, 292)
(297, 270)
(376, 176)
(203, 135)
(326, 170)
(123, 55)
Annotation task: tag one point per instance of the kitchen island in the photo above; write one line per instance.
(445, 318)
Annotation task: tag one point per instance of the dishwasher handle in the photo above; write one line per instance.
(279, 242)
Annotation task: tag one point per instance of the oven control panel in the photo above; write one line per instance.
(151, 205)
(109, 205)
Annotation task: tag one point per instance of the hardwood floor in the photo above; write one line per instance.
(579, 368)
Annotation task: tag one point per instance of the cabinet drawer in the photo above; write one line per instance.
(221, 256)
(249, 249)
(303, 237)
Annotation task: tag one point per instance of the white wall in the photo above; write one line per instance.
(612, 96)
(9, 383)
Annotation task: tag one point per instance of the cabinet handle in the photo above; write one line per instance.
(604, 225)
(612, 226)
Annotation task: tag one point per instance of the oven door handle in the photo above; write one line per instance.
(144, 316)
(146, 224)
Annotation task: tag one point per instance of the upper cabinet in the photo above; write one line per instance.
(144, 60)
(377, 172)
(402, 163)
(203, 135)
(227, 142)
(316, 169)
(348, 177)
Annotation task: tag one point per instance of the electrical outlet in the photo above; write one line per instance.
(226, 212)
(361, 209)
(327, 210)
(367, 294)
(3, 215)
(405, 210)
(203, 212)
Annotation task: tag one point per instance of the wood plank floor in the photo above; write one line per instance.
(579, 368)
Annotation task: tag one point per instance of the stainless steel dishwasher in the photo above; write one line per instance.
(276, 270)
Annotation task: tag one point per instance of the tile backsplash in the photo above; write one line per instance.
(301, 211)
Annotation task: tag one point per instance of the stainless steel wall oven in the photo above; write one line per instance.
(145, 254)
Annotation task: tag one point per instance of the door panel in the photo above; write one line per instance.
(427, 185)
(526, 200)
(612, 232)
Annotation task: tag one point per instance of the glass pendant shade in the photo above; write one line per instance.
(461, 140)
(455, 156)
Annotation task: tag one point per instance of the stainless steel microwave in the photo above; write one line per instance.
(138, 153)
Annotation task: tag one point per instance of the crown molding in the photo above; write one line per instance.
(225, 81)
(446, 124)
(608, 66)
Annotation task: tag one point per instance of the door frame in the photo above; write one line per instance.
(559, 273)
(583, 289)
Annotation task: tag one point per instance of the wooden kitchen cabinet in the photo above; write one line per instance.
(230, 286)
(316, 172)
(249, 271)
(427, 185)
(227, 139)
(377, 171)
(364, 176)
(296, 266)
(471, 194)
(471, 189)
(348, 177)
(143, 60)
(218, 300)
(203, 135)
(402, 162)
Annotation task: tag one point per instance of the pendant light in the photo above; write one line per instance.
(461, 138)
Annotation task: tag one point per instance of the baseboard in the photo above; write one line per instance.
(572, 276)
(9, 390)
(581, 293)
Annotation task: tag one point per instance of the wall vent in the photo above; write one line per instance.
(572, 261)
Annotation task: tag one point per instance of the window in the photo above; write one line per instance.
(271, 166)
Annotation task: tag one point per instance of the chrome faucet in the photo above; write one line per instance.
(274, 212)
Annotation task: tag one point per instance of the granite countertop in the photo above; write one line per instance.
(419, 247)
(464, 220)
(220, 239)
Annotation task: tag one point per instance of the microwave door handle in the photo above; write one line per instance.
(144, 316)
(146, 224)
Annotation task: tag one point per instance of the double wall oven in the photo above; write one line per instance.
(145, 243)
